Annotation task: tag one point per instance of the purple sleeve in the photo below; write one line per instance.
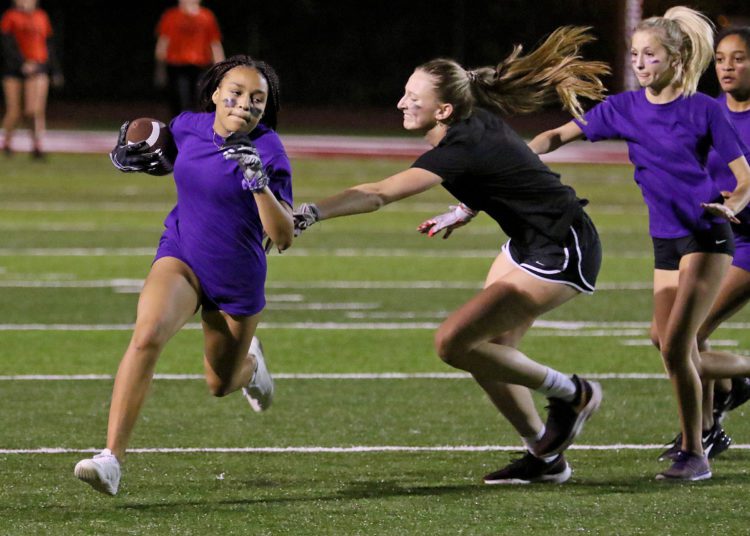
(600, 123)
(279, 170)
(725, 139)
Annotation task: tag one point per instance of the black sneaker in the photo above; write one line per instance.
(530, 469)
(565, 420)
(715, 441)
(726, 402)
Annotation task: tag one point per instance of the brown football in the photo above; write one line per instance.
(155, 133)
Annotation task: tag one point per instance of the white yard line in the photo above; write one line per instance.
(337, 450)
(323, 376)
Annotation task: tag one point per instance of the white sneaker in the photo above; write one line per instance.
(102, 472)
(259, 392)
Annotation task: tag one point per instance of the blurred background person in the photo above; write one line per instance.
(29, 59)
(188, 42)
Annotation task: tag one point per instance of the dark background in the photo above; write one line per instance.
(339, 61)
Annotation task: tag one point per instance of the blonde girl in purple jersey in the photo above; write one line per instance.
(669, 128)
(732, 62)
(233, 183)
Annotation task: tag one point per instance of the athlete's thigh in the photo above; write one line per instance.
(665, 292)
(226, 338)
(700, 279)
(12, 89)
(170, 296)
(509, 303)
(36, 88)
(733, 296)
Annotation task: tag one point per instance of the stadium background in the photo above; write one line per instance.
(342, 64)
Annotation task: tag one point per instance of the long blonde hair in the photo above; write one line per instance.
(519, 84)
(688, 35)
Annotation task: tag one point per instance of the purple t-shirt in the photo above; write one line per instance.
(668, 144)
(216, 221)
(718, 169)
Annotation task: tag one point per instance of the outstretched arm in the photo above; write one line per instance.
(372, 196)
(550, 140)
(367, 197)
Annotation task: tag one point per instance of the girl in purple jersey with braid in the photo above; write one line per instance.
(669, 128)
(233, 182)
(553, 254)
(732, 58)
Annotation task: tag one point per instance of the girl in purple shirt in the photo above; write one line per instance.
(732, 61)
(233, 183)
(669, 128)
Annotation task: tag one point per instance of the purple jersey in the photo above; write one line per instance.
(716, 167)
(215, 227)
(668, 144)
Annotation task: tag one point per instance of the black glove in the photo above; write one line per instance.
(240, 148)
(130, 157)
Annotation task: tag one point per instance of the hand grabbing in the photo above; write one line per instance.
(457, 216)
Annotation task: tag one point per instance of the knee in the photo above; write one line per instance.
(449, 347)
(675, 356)
(149, 339)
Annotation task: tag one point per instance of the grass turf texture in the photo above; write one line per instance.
(75, 220)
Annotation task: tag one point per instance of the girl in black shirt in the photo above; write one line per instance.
(553, 253)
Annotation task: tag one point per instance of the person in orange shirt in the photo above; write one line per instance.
(188, 42)
(29, 59)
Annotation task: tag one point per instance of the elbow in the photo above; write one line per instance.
(284, 242)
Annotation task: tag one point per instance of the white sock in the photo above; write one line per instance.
(558, 385)
(530, 441)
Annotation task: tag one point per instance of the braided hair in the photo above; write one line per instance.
(213, 77)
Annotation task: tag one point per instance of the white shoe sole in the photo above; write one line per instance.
(558, 478)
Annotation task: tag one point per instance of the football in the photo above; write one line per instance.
(155, 133)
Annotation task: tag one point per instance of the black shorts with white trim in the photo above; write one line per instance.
(576, 262)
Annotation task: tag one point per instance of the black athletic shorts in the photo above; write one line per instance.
(576, 262)
(668, 251)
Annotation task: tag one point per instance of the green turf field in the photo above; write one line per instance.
(344, 450)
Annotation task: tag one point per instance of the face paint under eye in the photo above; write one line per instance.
(653, 61)
(230, 103)
(255, 112)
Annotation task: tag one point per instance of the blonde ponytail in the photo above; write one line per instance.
(689, 36)
(519, 84)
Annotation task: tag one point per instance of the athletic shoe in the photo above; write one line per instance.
(259, 392)
(102, 472)
(687, 466)
(565, 420)
(529, 469)
(715, 441)
(726, 402)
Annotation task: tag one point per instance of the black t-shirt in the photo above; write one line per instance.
(488, 167)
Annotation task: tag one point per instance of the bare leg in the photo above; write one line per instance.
(679, 310)
(168, 300)
(12, 89)
(36, 89)
(226, 361)
(733, 296)
(480, 337)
